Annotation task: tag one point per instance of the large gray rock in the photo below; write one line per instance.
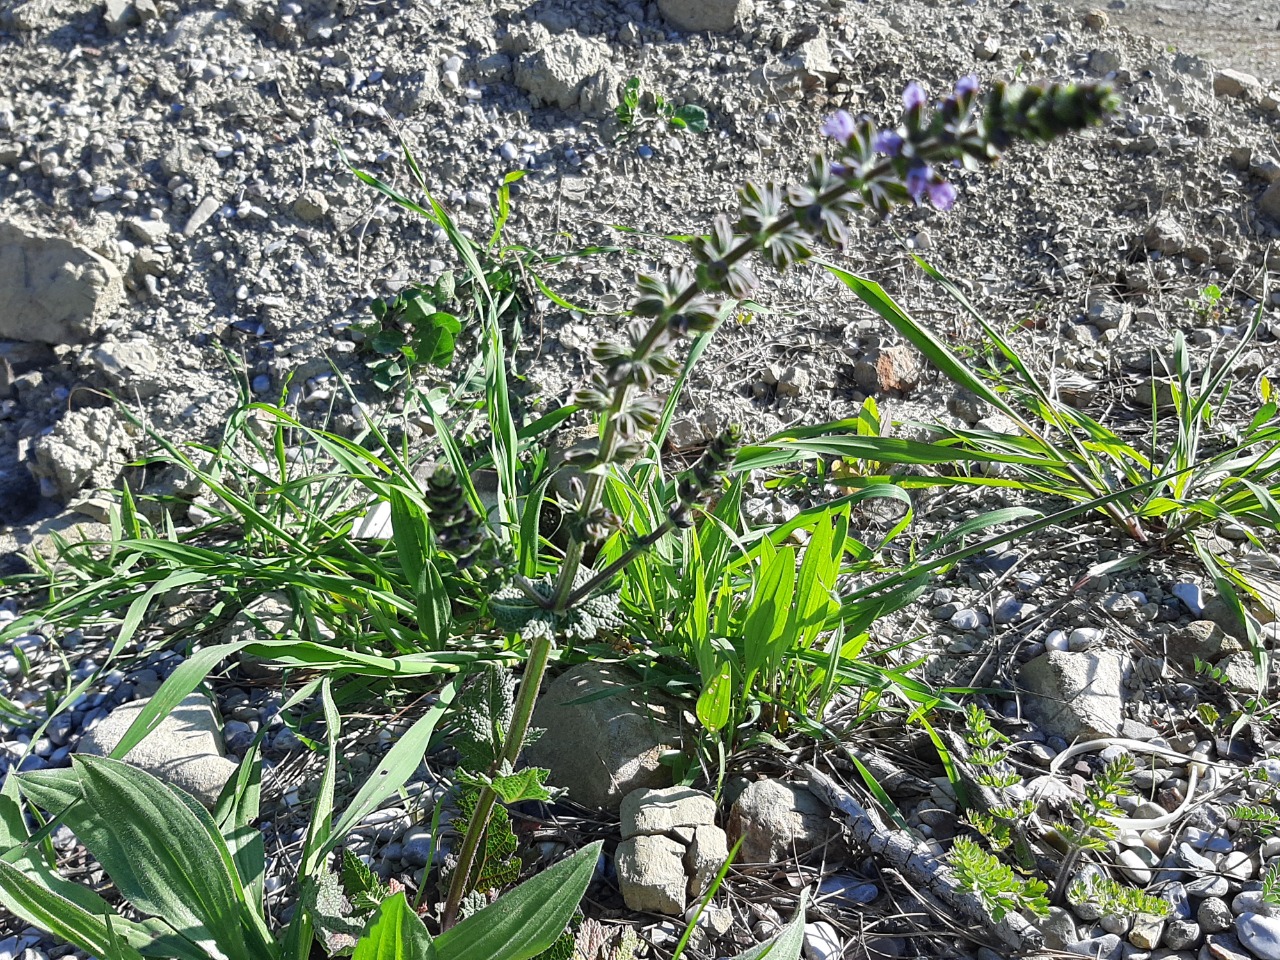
(184, 750)
(556, 73)
(52, 290)
(1075, 694)
(651, 874)
(717, 16)
(87, 449)
(778, 821)
(602, 750)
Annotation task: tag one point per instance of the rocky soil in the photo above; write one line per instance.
(1242, 33)
(177, 225)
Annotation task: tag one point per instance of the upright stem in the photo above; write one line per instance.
(522, 713)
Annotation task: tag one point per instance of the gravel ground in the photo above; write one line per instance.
(1244, 34)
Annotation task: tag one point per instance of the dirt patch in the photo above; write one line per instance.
(1242, 34)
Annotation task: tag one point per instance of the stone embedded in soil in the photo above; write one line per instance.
(778, 821)
(184, 750)
(1200, 638)
(706, 854)
(648, 811)
(51, 289)
(311, 206)
(1235, 84)
(651, 874)
(893, 368)
(1076, 694)
(602, 750)
(1269, 203)
(556, 72)
(131, 367)
(716, 16)
(87, 449)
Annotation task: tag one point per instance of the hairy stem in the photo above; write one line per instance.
(633, 551)
(522, 713)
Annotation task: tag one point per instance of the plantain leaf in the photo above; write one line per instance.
(36, 904)
(716, 699)
(161, 856)
(394, 933)
(526, 921)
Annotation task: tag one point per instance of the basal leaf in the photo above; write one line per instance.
(526, 921)
(394, 933)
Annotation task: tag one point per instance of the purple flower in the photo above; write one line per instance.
(888, 142)
(914, 96)
(942, 195)
(841, 170)
(967, 86)
(839, 126)
(917, 181)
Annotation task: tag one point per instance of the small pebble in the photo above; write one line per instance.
(821, 942)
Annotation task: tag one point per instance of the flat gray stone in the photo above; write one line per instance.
(51, 289)
(184, 750)
(648, 811)
(1075, 694)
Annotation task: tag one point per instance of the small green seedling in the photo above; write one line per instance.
(409, 330)
(631, 111)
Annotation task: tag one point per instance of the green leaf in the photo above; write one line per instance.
(158, 852)
(526, 921)
(526, 784)
(770, 611)
(716, 699)
(321, 837)
(388, 342)
(692, 116)
(41, 907)
(393, 770)
(435, 616)
(395, 933)
(236, 811)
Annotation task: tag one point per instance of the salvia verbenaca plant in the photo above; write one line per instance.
(869, 168)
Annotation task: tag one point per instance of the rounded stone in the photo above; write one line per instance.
(777, 821)
(1259, 934)
(603, 749)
